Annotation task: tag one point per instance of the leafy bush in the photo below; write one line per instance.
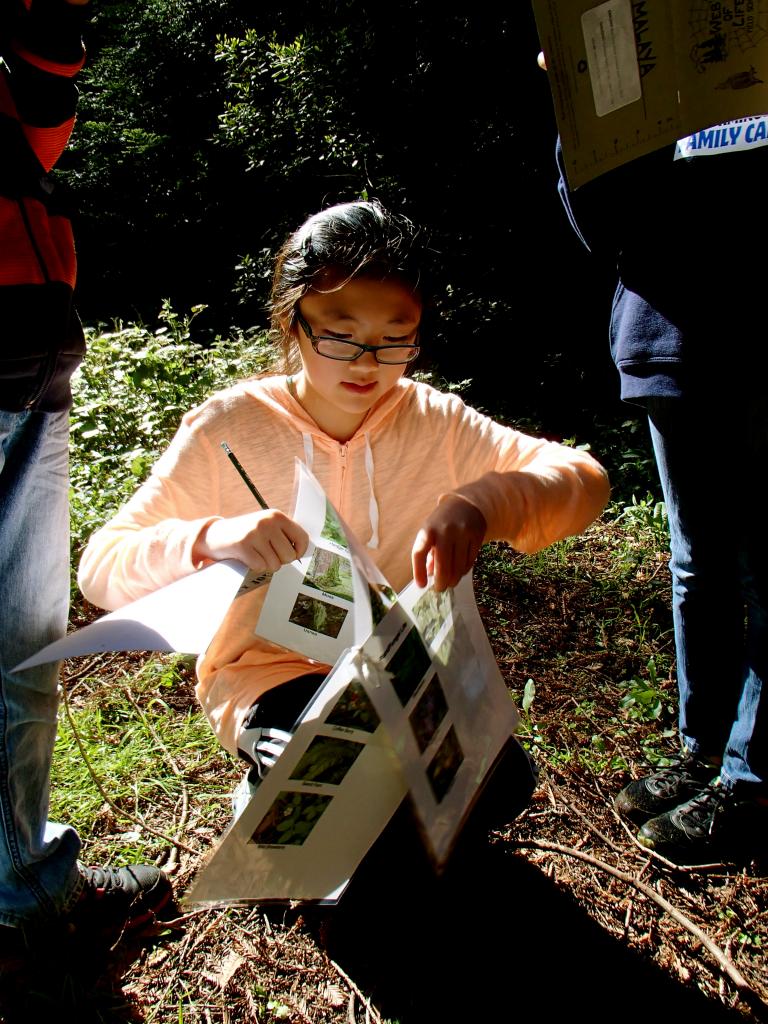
(130, 394)
(149, 181)
(646, 517)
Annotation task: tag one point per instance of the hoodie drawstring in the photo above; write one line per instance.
(373, 505)
(309, 450)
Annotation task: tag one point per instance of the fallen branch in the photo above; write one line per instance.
(365, 1001)
(653, 856)
(587, 821)
(741, 984)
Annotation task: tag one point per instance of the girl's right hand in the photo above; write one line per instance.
(261, 540)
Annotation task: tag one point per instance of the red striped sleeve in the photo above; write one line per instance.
(48, 143)
(51, 258)
(50, 66)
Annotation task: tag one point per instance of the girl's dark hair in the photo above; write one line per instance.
(335, 245)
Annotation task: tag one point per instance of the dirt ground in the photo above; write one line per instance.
(558, 913)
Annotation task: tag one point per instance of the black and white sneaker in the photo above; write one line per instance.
(715, 825)
(665, 789)
(261, 746)
(121, 901)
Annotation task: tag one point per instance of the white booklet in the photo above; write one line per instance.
(420, 708)
(414, 705)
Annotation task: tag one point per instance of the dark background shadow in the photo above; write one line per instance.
(492, 937)
(67, 978)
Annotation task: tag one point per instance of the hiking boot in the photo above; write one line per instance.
(63, 966)
(716, 824)
(665, 789)
(118, 901)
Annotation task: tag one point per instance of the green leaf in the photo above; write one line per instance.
(528, 694)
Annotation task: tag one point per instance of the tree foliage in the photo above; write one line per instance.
(208, 131)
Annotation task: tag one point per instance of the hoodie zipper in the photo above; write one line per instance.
(343, 450)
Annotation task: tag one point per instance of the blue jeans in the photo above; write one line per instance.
(38, 874)
(712, 458)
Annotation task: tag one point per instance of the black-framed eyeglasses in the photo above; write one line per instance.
(348, 351)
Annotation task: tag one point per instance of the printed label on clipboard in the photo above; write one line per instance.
(609, 38)
(730, 137)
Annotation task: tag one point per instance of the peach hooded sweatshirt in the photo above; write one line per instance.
(415, 445)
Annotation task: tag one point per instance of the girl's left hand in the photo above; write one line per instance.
(447, 544)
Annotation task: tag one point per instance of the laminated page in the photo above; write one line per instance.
(431, 674)
(419, 709)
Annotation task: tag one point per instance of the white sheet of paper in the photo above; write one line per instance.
(183, 616)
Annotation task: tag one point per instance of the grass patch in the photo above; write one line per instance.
(135, 753)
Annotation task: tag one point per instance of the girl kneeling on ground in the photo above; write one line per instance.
(419, 476)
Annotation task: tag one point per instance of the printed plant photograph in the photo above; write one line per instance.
(458, 651)
(354, 710)
(431, 611)
(442, 769)
(429, 712)
(382, 599)
(408, 666)
(330, 572)
(319, 616)
(456, 645)
(290, 819)
(332, 529)
(327, 759)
